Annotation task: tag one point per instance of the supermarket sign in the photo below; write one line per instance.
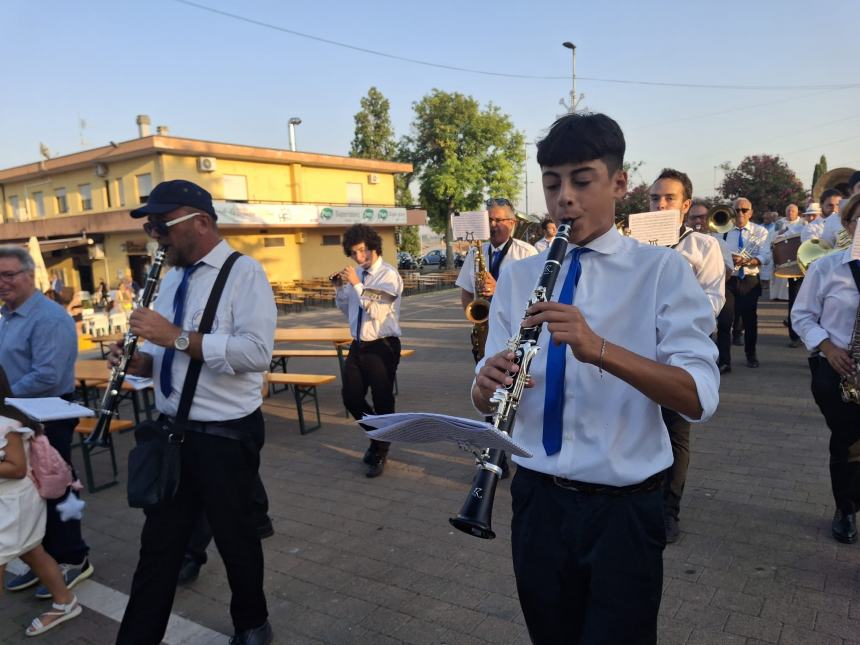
(234, 214)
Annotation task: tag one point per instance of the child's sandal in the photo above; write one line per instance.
(61, 614)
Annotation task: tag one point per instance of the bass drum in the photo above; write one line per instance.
(784, 251)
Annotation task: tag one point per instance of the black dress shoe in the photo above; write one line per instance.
(844, 527)
(738, 340)
(375, 469)
(188, 572)
(752, 361)
(725, 368)
(261, 635)
(369, 454)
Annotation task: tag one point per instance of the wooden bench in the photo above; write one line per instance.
(304, 387)
(84, 429)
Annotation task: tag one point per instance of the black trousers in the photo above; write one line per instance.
(741, 296)
(676, 474)
(371, 365)
(218, 476)
(793, 288)
(589, 568)
(843, 419)
(63, 540)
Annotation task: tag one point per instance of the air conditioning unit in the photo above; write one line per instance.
(206, 164)
(373, 178)
(96, 252)
(101, 170)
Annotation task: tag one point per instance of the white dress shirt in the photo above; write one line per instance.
(826, 305)
(724, 249)
(518, 251)
(791, 228)
(644, 298)
(543, 244)
(236, 351)
(703, 254)
(832, 228)
(378, 297)
(753, 235)
(815, 228)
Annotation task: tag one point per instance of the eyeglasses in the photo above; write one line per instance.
(8, 276)
(163, 228)
(500, 220)
(499, 201)
(743, 210)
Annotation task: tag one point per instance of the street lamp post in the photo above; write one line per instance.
(573, 101)
(293, 122)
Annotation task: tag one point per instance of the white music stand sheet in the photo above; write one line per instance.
(424, 427)
(470, 225)
(49, 408)
(657, 228)
(855, 245)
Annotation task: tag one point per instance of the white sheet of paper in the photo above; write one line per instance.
(855, 244)
(138, 382)
(658, 228)
(470, 225)
(424, 427)
(49, 408)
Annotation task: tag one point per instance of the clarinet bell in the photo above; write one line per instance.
(476, 515)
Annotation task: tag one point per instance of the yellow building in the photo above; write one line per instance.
(287, 209)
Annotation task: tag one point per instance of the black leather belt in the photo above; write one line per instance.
(214, 428)
(653, 483)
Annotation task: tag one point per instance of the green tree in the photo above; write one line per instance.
(409, 240)
(635, 201)
(820, 169)
(765, 180)
(374, 136)
(460, 154)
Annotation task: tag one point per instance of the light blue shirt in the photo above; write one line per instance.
(38, 348)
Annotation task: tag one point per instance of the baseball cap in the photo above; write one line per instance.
(170, 195)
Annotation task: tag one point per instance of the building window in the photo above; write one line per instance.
(14, 208)
(331, 240)
(108, 198)
(62, 204)
(273, 241)
(39, 203)
(86, 193)
(120, 191)
(354, 194)
(235, 188)
(144, 187)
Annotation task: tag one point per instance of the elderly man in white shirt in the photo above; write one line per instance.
(673, 190)
(814, 223)
(626, 331)
(748, 244)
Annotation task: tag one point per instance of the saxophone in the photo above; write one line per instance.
(478, 311)
(850, 385)
(110, 401)
(475, 515)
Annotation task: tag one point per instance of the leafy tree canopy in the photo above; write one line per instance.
(765, 180)
(374, 136)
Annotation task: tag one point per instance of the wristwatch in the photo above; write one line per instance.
(182, 341)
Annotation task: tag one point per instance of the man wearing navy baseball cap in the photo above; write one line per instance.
(219, 480)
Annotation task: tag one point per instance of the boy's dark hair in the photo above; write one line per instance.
(576, 138)
(830, 192)
(677, 175)
(544, 223)
(358, 233)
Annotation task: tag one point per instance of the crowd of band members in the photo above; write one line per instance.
(662, 366)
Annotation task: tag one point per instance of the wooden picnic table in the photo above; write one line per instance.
(336, 335)
(96, 374)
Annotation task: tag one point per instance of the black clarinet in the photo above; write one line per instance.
(476, 514)
(111, 398)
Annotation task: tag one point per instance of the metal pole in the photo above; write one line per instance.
(573, 79)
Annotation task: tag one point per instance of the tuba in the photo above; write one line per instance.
(478, 310)
(837, 178)
(721, 219)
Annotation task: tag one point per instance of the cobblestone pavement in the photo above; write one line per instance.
(355, 560)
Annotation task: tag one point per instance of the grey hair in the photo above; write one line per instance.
(24, 258)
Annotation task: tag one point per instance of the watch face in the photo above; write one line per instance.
(182, 342)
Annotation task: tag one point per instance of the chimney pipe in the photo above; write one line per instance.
(143, 122)
(293, 122)
(162, 130)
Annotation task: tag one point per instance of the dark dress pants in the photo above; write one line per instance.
(742, 298)
(63, 540)
(218, 476)
(843, 419)
(371, 365)
(793, 288)
(589, 568)
(676, 474)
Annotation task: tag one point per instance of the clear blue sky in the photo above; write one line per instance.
(211, 77)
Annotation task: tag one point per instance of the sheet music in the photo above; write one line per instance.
(424, 427)
(658, 228)
(49, 408)
(138, 382)
(470, 225)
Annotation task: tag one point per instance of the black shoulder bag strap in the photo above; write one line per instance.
(855, 271)
(193, 373)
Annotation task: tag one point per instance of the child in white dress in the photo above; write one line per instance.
(22, 525)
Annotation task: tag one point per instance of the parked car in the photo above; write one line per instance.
(434, 258)
(406, 261)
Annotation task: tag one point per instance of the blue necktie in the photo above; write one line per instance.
(178, 312)
(741, 248)
(360, 311)
(555, 363)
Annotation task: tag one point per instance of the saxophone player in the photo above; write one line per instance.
(827, 319)
(587, 532)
